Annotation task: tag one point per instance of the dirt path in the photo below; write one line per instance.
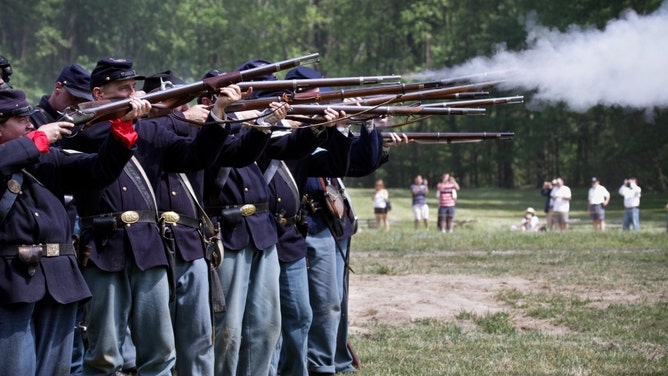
(399, 299)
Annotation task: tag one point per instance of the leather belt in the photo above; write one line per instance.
(232, 215)
(122, 218)
(31, 255)
(46, 250)
(289, 221)
(175, 218)
(247, 209)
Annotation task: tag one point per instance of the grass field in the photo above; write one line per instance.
(601, 298)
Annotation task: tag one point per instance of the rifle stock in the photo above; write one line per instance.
(90, 112)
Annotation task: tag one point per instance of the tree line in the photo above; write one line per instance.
(361, 38)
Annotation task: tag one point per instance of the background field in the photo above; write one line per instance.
(488, 301)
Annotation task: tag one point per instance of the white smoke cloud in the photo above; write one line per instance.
(625, 64)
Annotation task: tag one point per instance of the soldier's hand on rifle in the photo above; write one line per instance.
(56, 130)
(226, 96)
(277, 112)
(140, 108)
(331, 115)
(392, 139)
(198, 112)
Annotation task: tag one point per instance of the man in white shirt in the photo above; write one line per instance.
(597, 200)
(561, 200)
(631, 193)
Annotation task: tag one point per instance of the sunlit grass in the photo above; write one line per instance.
(600, 298)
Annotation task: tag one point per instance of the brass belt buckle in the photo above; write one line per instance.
(248, 209)
(52, 250)
(129, 217)
(170, 217)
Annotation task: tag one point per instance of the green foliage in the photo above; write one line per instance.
(361, 38)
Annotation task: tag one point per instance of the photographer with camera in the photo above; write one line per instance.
(631, 193)
(419, 190)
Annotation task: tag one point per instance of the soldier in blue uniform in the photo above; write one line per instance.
(125, 260)
(71, 88)
(41, 283)
(326, 255)
(239, 199)
(179, 198)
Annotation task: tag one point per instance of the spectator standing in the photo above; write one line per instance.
(419, 190)
(598, 199)
(380, 207)
(631, 193)
(447, 197)
(561, 200)
(546, 192)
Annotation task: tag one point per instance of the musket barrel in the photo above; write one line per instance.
(384, 110)
(478, 102)
(296, 85)
(452, 137)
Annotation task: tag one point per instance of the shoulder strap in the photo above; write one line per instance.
(351, 211)
(14, 185)
(205, 218)
(279, 167)
(223, 175)
(136, 173)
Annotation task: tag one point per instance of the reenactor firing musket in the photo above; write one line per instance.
(90, 112)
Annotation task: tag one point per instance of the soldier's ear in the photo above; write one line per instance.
(97, 93)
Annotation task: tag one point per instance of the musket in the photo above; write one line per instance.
(90, 112)
(444, 93)
(402, 89)
(451, 137)
(306, 109)
(478, 102)
(301, 84)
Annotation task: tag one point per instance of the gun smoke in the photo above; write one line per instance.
(624, 64)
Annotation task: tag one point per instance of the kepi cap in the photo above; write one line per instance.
(13, 103)
(76, 80)
(305, 73)
(163, 80)
(110, 69)
(266, 77)
(212, 73)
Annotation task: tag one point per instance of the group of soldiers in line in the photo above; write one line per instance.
(220, 249)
